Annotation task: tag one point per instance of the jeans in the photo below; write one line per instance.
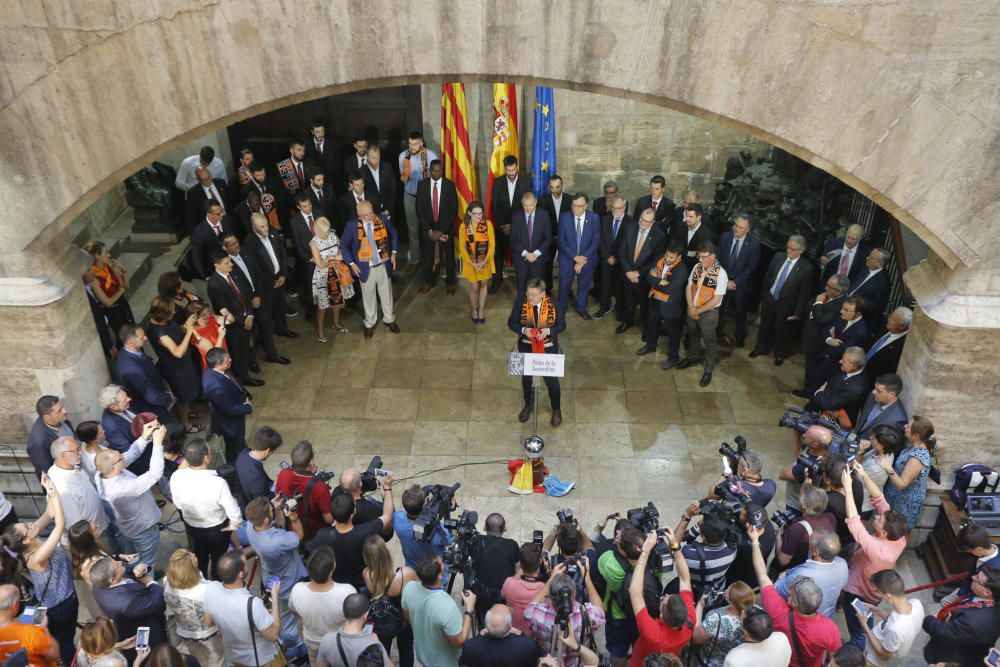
(146, 544)
(854, 628)
(294, 646)
(404, 643)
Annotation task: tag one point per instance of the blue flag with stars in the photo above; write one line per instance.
(543, 145)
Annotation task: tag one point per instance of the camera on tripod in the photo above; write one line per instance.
(371, 476)
(458, 554)
(437, 508)
(843, 442)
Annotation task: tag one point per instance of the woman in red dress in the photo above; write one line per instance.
(209, 329)
(111, 281)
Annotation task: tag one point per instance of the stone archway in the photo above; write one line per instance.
(897, 100)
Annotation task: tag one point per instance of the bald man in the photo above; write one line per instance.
(369, 248)
(366, 507)
(41, 648)
(500, 646)
(845, 255)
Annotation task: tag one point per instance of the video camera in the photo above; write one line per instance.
(647, 519)
(727, 511)
(371, 476)
(458, 554)
(782, 519)
(715, 595)
(565, 516)
(437, 507)
(321, 475)
(811, 464)
(843, 442)
(733, 456)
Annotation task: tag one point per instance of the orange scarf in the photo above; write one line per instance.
(706, 280)
(110, 282)
(423, 164)
(381, 240)
(660, 271)
(477, 242)
(546, 320)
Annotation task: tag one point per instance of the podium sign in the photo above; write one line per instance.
(544, 365)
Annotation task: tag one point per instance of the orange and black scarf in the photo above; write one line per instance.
(381, 240)
(477, 242)
(662, 271)
(424, 172)
(707, 280)
(110, 282)
(546, 320)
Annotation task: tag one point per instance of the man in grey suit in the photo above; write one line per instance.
(784, 303)
(882, 406)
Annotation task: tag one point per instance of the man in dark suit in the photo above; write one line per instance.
(380, 183)
(784, 302)
(613, 227)
(641, 245)
(205, 191)
(268, 253)
(822, 314)
(739, 254)
(677, 219)
(504, 202)
(206, 237)
(844, 256)
(302, 229)
(847, 331)
(358, 158)
(139, 376)
(692, 234)
(437, 212)
(882, 406)
(537, 321)
(602, 205)
(324, 202)
(322, 152)
(228, 401)
(667, 280)
(347, 204)
(52, 423)
(579, 239)
(274, 200)
(116, 420)
(872, 285)
(530, 241)
(963, 633)
(884, 354)
(238, 219)
(555, 203)
(663, 207)
(130, 603)
(231, 295)
(844, 390)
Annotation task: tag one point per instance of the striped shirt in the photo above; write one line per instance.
(717, 560)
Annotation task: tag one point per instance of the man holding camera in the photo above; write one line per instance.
(252, 479)
(301, 478)
(672, 631)
(793, 537)
(414, 549)
(573, 545)
(708, 556)
(494, 559)
(439, 627)
(615, 566)
(742, 566)
(749, 479)
(555, 608)
(815, 441)
(518, 590)
(366, 508)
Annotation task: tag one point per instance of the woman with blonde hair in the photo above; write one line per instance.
(209, 329)
(721, 629)
(385, 585)
(332, 284)
(184, 591)
(111, 281)
(99, 646)
(476, 243)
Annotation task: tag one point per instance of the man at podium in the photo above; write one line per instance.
(538, 324)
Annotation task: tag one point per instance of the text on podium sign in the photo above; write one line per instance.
(528, 363)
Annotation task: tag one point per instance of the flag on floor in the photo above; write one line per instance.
(504, 134)
(543, 144)
(456, 157)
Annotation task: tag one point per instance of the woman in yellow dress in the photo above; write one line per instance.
(475, 246)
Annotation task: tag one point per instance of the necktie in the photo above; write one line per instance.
(312, 230)
(434, 201)
(322, 199)
(217, 229)
(538, 315)
(638, 245)
(845, 262)
(299, 175)
(776, 290)
(614, 228)
(236, 291)
(579, 233)
(235, 381)
(873, 415)
(737, 246)
(370, 235)
(211, 194)
(319, 148)
(364, 161)
(531, 219)
(879, 344)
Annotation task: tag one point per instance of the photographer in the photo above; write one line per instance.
(718, 630)
(440, 628)
(615, 566)
(793, 538)
(815, 441)
(517, 591)
(574, 547)
(278, 551)
(974, 540)
(749, 468)
(673, 629)
(832, 469)
(742, 566)
(823, 566)
(556, 606)
(708, 556)
(494, 558)
(301, 478)
(366, 507)
(415, 550)
(348, 539)
(252, 479)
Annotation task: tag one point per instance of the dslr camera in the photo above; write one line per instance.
(647, 519)
(321, 475)
(565, 516)
(437, 508)
(782, 519)
(371, 476)
(843, 442)
(733, 456)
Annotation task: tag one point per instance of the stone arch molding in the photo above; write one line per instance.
(897, 99)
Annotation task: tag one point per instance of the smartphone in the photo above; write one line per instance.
(39, 616)
(272, 581)
(142, 637)
(369, 628)
(861, 607)
(993, 657)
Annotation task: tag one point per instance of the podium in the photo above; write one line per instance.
(537, 366)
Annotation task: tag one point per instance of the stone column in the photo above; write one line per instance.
(951, 361)
(48, 342)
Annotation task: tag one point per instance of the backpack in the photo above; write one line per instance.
(973, 478)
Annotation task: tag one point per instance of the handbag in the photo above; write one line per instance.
(386, 618)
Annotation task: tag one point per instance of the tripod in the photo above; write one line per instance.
(467, 577)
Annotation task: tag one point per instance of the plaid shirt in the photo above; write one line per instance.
(541, 618)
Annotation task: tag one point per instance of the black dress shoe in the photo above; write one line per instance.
(253, 382)
(801, 393)
(369, 331)
(643, 336)
(291, 312)
(556, 418)
(601, 313)
(525, 412)
(584, 314)
(683, 363)
(778, 360)
(739, 342)
(622, 328)
(284, 361)
(644, 350)
(668, 363)
(755, 353)
(706, 379)
(288, 334)
(255, 368)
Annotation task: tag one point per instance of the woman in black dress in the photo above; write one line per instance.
(171, 287)
(175, 359)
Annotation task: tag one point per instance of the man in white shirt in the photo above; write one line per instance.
(761, 644)
(210, 511)
(895, 628)
(80, 499)
(705, 290)
(136, 511)
(205, 158)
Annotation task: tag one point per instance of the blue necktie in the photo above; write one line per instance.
(872, 416)
(782, 277)
(614, 230)
(876, 347)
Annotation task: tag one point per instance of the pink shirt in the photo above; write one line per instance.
(518, 593)
(875, 554)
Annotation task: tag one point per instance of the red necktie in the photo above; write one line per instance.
(236, 290)
(298, 172)
(312, 230)
(322, 200)
(319, 148)
(217, 229)
(434, 201)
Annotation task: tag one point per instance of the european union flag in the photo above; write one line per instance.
(543, 145)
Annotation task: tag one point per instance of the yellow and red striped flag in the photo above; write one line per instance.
(504, 134)
(456, 156)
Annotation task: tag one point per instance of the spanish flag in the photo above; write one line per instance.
(455, 154)
(504, 134)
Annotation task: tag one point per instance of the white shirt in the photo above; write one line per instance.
(80, 500)
(204, 498)
(130, 496)
(511, 185)
(846, 326)
(266, 241)
(374, 173)
(791, 267)
(556, 204)
(720, 287)
(775, 650)
(321, 613)
(692, 231)
(867, 278)
(852, 254)
(211, 192)
(238, 261)
(185, 172)
(896, 634)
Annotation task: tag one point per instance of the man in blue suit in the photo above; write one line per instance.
(117, 421)
(882, 406)
(369, 248)
(739, 254)
(872, 285)
(130, 603)
(579, 238)
(848, 331)
(530, 240)
(228, 401)
(139, 377)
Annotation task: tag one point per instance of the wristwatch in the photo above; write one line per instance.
(468, 613)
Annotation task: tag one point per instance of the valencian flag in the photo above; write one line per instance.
(543, 145)
(504, 134)
(455, 154)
